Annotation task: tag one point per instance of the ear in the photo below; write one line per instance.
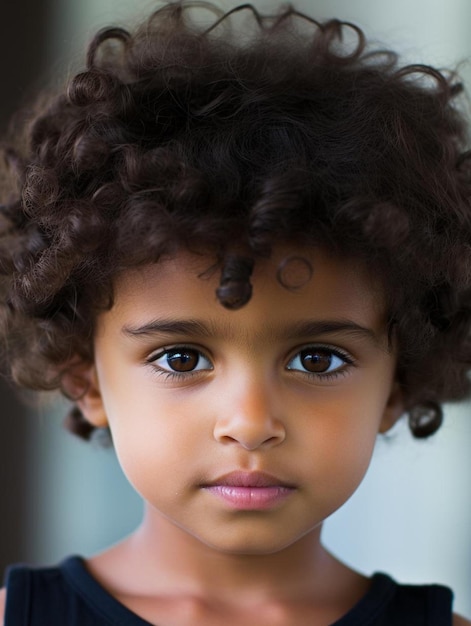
(80, 384)
(394, 408)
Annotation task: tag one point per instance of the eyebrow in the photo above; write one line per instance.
(325, 327)
(169, 327)
(298, 330)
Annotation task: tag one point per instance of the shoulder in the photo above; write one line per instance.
(457, 621)
(3, 597)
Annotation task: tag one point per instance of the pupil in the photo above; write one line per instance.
(318, 361)
(182, 361)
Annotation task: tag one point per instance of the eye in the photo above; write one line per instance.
(181, 360)
(319, 360)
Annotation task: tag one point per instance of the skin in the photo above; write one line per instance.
(246, 402)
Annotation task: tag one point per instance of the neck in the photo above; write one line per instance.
(166, 559)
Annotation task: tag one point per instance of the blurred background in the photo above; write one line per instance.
(412, 515)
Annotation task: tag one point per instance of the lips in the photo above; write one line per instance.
(248, 479)
(250, 490)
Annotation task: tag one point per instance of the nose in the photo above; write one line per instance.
(248, 417)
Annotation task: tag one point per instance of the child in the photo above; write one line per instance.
(245, 257)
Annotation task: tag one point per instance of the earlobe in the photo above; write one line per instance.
(393, 409)
(80, 384)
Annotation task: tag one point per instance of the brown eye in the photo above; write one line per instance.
(180, 361)
(318, 361)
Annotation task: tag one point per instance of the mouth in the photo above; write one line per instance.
(250, 490)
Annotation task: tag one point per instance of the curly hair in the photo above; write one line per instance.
(188, 135)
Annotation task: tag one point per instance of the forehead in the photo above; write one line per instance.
(294, 283)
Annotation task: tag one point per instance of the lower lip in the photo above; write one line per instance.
(251, 498)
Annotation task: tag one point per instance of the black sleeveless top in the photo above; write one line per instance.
(67, 595)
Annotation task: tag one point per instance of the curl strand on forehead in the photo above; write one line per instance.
(219, 132)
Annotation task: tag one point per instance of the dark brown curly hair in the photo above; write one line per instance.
(215, 138)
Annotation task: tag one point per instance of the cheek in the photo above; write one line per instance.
(343, 458)
(152, 436)
(147, 458)
(338, 440)
(354, 455)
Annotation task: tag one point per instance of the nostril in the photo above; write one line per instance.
(250, 434)
(273, 439)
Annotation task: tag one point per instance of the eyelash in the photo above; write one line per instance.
(348, 361)
(173, 374)
(341, 370)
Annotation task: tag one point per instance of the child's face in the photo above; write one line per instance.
(296, 384)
